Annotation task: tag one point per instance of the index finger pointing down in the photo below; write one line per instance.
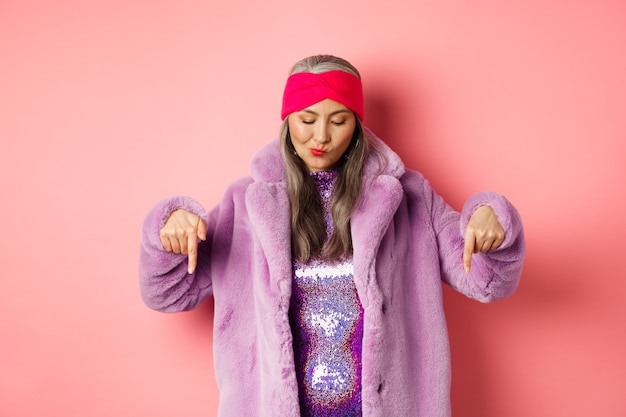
(192, 253)
(468, 249)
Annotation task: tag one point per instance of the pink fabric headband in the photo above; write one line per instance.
(304, 89)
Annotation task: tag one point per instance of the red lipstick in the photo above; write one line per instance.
(317, 152)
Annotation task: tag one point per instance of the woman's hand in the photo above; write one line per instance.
(180, 234)
(483, 233)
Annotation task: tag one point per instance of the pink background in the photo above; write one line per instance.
(107, 108)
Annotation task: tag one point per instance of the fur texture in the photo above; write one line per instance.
(407, 240)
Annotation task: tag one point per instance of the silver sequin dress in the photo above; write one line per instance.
(326, 318)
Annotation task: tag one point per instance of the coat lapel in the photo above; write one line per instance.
(370, 221)
(268, 207)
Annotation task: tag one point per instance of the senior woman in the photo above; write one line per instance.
(326, 265)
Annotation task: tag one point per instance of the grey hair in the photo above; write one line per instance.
(308, 227)
(318, 64)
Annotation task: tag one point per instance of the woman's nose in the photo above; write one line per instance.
(321, 133)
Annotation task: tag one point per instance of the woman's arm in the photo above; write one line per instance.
(475, 259)
(174, 275)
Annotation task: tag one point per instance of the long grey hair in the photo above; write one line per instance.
(308, 227)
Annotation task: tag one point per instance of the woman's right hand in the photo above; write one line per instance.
(180, 234)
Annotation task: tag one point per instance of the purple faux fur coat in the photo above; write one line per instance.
(407, 240)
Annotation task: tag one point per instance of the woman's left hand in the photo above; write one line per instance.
(483, 233)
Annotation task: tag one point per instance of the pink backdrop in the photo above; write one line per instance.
(106, 108)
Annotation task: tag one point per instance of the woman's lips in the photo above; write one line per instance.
(317, 152)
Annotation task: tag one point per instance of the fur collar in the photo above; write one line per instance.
(268, 206)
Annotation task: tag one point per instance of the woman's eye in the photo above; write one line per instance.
(338, 122)
(308, 122)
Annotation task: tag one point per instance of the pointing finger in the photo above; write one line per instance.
(192, 245)
(192, 253)
(468, 249)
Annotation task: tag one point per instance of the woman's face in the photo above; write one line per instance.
(321, 133)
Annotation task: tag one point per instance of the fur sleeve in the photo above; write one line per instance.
(164, 281)
(495, 274)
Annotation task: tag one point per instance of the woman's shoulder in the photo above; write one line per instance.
(267, 165)
(238, 187)
(415, 184)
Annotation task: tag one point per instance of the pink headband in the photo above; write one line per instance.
(304, 89)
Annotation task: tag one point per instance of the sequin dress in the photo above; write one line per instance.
(326, 318)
